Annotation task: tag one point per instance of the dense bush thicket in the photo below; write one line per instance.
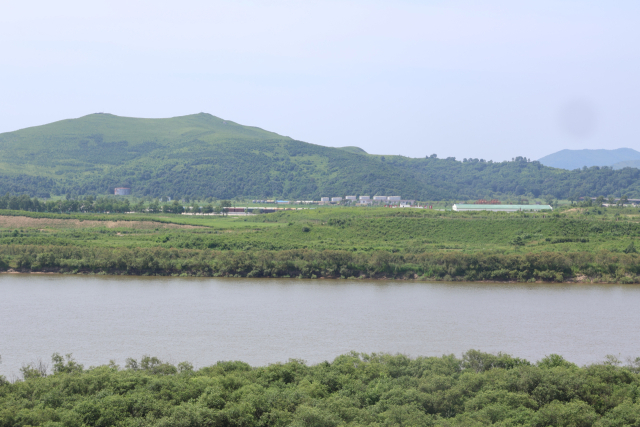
(302, 263)
(478, 389)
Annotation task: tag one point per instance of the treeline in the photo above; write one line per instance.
(602, 266)
(89, 204)
(354, 389)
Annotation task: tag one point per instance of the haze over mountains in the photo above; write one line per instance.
(201, 155)
(575, 159)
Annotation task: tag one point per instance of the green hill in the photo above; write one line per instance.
(352, 149)
(201, 155)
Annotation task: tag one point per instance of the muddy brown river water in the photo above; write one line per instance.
(261, 321)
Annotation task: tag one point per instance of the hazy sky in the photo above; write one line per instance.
(485, 79)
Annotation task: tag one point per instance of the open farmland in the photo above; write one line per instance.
(21, 222)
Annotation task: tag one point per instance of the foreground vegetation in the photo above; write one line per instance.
(578, 244)
(478, 389)
(204, 156)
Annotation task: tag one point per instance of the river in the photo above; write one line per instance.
(261, 321)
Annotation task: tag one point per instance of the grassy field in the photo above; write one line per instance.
(22, 219)
(596, 244)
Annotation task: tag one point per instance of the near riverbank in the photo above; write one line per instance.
(352, 390)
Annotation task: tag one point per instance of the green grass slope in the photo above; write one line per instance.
(201, 155)
(352, 149)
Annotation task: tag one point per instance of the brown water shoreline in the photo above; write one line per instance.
(579, 280)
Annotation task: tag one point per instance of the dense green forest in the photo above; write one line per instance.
(379, 390)
(576, 244)
(201, 156)
(112, 204)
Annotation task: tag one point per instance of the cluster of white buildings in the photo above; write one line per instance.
(362, 199)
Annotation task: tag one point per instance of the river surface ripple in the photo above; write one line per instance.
(262, 321)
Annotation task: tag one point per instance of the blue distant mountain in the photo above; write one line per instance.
(575, 159)
(627, 164)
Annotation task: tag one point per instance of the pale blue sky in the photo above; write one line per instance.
(485, 79)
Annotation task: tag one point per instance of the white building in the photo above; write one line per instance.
(336, 199)
(500, 208)
(365, 199)
(325, 199)
(352, 198)
(380, 198)
(394, 198)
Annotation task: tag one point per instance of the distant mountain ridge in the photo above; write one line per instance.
(627, 164)
(576, 159)
(201, 155)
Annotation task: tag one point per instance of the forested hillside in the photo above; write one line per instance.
(204, 156)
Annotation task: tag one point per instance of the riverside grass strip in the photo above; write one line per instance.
(546, 266)
(354, 389)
